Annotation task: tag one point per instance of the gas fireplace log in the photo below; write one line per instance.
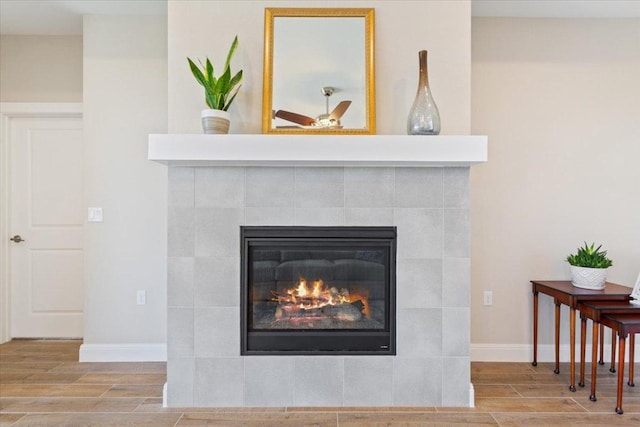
(347, 311)
(359, 305)
(293, 311)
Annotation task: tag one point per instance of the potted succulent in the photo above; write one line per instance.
(589, 267)
(219, 92)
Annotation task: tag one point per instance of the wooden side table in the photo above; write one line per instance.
(623, 324)
(595, 310)
(563, 292)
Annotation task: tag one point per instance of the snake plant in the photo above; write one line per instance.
(220, 91)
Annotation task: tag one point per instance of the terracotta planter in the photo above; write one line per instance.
(215, 121)
(588, 278)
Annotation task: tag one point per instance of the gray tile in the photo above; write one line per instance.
(270, 216)
(219, 382)
(268, 381)
(418, 188)
(456, 282)
(417, 382)
(179, 332)
(217, 332)
(217, 282)
(419, 332)
(456, 233)
(180, 228)
(457, 381)
(219, 187)
(319, 188)
(180, 282)
(371, 217)
(366, 381)
(419, 232)
(320, 216)
(455, 332)
(419, 283)
(318, 381)
(369, 187)
(180, 380)
(456, 188)
(270, 187)
(180, 191)
(217, 232)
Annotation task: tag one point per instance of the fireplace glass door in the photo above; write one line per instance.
(318, 290)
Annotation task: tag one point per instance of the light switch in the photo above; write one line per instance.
(94, 214)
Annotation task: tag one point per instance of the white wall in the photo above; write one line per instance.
(40, 68)
(402, 28)
(125, 99)
(560, 101)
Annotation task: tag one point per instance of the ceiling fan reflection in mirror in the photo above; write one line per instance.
(323, 121)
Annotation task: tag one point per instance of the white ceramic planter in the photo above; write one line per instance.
(588, 278)
(215, 121)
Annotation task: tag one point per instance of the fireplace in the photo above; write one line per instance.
(429, 207)
(317, 290)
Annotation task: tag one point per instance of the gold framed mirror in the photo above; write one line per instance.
(318, 71)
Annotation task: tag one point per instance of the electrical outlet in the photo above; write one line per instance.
(488, 298)
(141, 297)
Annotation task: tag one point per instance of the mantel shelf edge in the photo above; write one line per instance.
(318, 150)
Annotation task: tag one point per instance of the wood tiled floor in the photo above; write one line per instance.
(42, 384)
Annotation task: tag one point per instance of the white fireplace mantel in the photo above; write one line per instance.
(419, 185)
(318, 150)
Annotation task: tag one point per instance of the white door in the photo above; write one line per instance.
(47, 213)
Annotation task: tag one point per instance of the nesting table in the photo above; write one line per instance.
(596, 310)
(623, 324)
(622, 317)
(563, 292)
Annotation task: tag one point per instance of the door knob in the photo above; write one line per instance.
(17, 238)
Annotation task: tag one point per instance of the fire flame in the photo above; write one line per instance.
(318, 295)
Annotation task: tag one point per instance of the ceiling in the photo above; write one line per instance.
(64, 17)
(557, 8)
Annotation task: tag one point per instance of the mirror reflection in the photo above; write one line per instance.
(318, 71)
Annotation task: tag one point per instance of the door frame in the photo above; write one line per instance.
(9, 111)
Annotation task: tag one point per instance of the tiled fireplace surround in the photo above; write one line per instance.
(429, 206)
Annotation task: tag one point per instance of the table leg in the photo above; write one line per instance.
(594, 365)
(601, 361)
(557, 369)
(632, 346)
(613, 351)
(621, 341)
(583, 344)
(572, 348)
(535, 328)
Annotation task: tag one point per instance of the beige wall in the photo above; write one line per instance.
(560, 101)
(206, 28)
(125, 99)
(40, 68)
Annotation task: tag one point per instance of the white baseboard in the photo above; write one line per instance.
(524, 352)
(123, 353)
(472, 396)
(164, 396)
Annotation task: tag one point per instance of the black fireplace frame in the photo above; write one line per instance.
(318, 342)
